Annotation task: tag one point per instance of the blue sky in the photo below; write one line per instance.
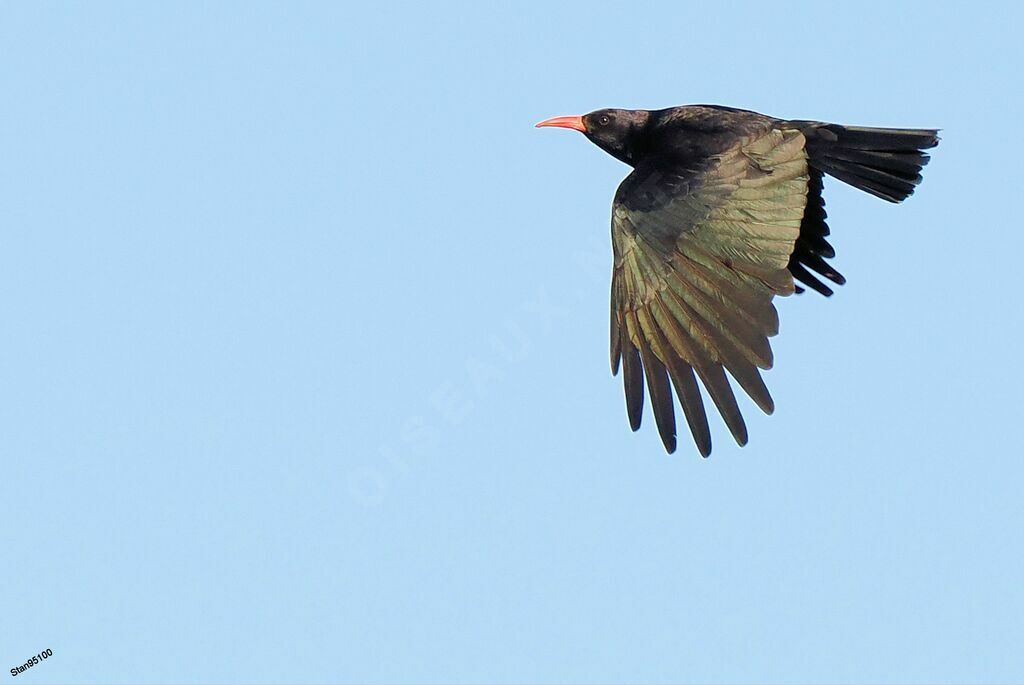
(303, 372)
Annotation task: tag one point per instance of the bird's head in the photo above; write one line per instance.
(612, 130)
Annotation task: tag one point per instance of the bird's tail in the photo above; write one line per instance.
(885, 162)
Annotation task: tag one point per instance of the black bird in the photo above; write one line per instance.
(722, 211)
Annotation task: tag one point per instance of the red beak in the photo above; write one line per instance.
(575, 123)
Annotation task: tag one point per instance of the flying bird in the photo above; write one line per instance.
(722, 212)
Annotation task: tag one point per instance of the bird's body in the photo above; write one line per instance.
(722, 211)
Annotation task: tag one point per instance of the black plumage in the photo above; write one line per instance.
(722, 212)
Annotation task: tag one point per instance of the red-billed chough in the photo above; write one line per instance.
(722, 211)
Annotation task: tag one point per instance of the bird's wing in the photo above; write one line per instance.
(808, 261)
(699, 255)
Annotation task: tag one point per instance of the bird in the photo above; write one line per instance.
(722, 212)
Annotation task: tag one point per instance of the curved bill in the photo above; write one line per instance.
(575, 123)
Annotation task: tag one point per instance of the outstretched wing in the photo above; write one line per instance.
(807, 263)
(699, 255)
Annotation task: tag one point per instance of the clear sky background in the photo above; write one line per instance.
(303, 355)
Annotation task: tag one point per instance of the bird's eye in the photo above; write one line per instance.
(603, 120)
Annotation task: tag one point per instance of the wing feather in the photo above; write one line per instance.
(700, 252)
(667, 340)
(632, 379)
(657, 380)
(616, 340)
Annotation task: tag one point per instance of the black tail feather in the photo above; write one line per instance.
(885, 139)
(885, 162)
